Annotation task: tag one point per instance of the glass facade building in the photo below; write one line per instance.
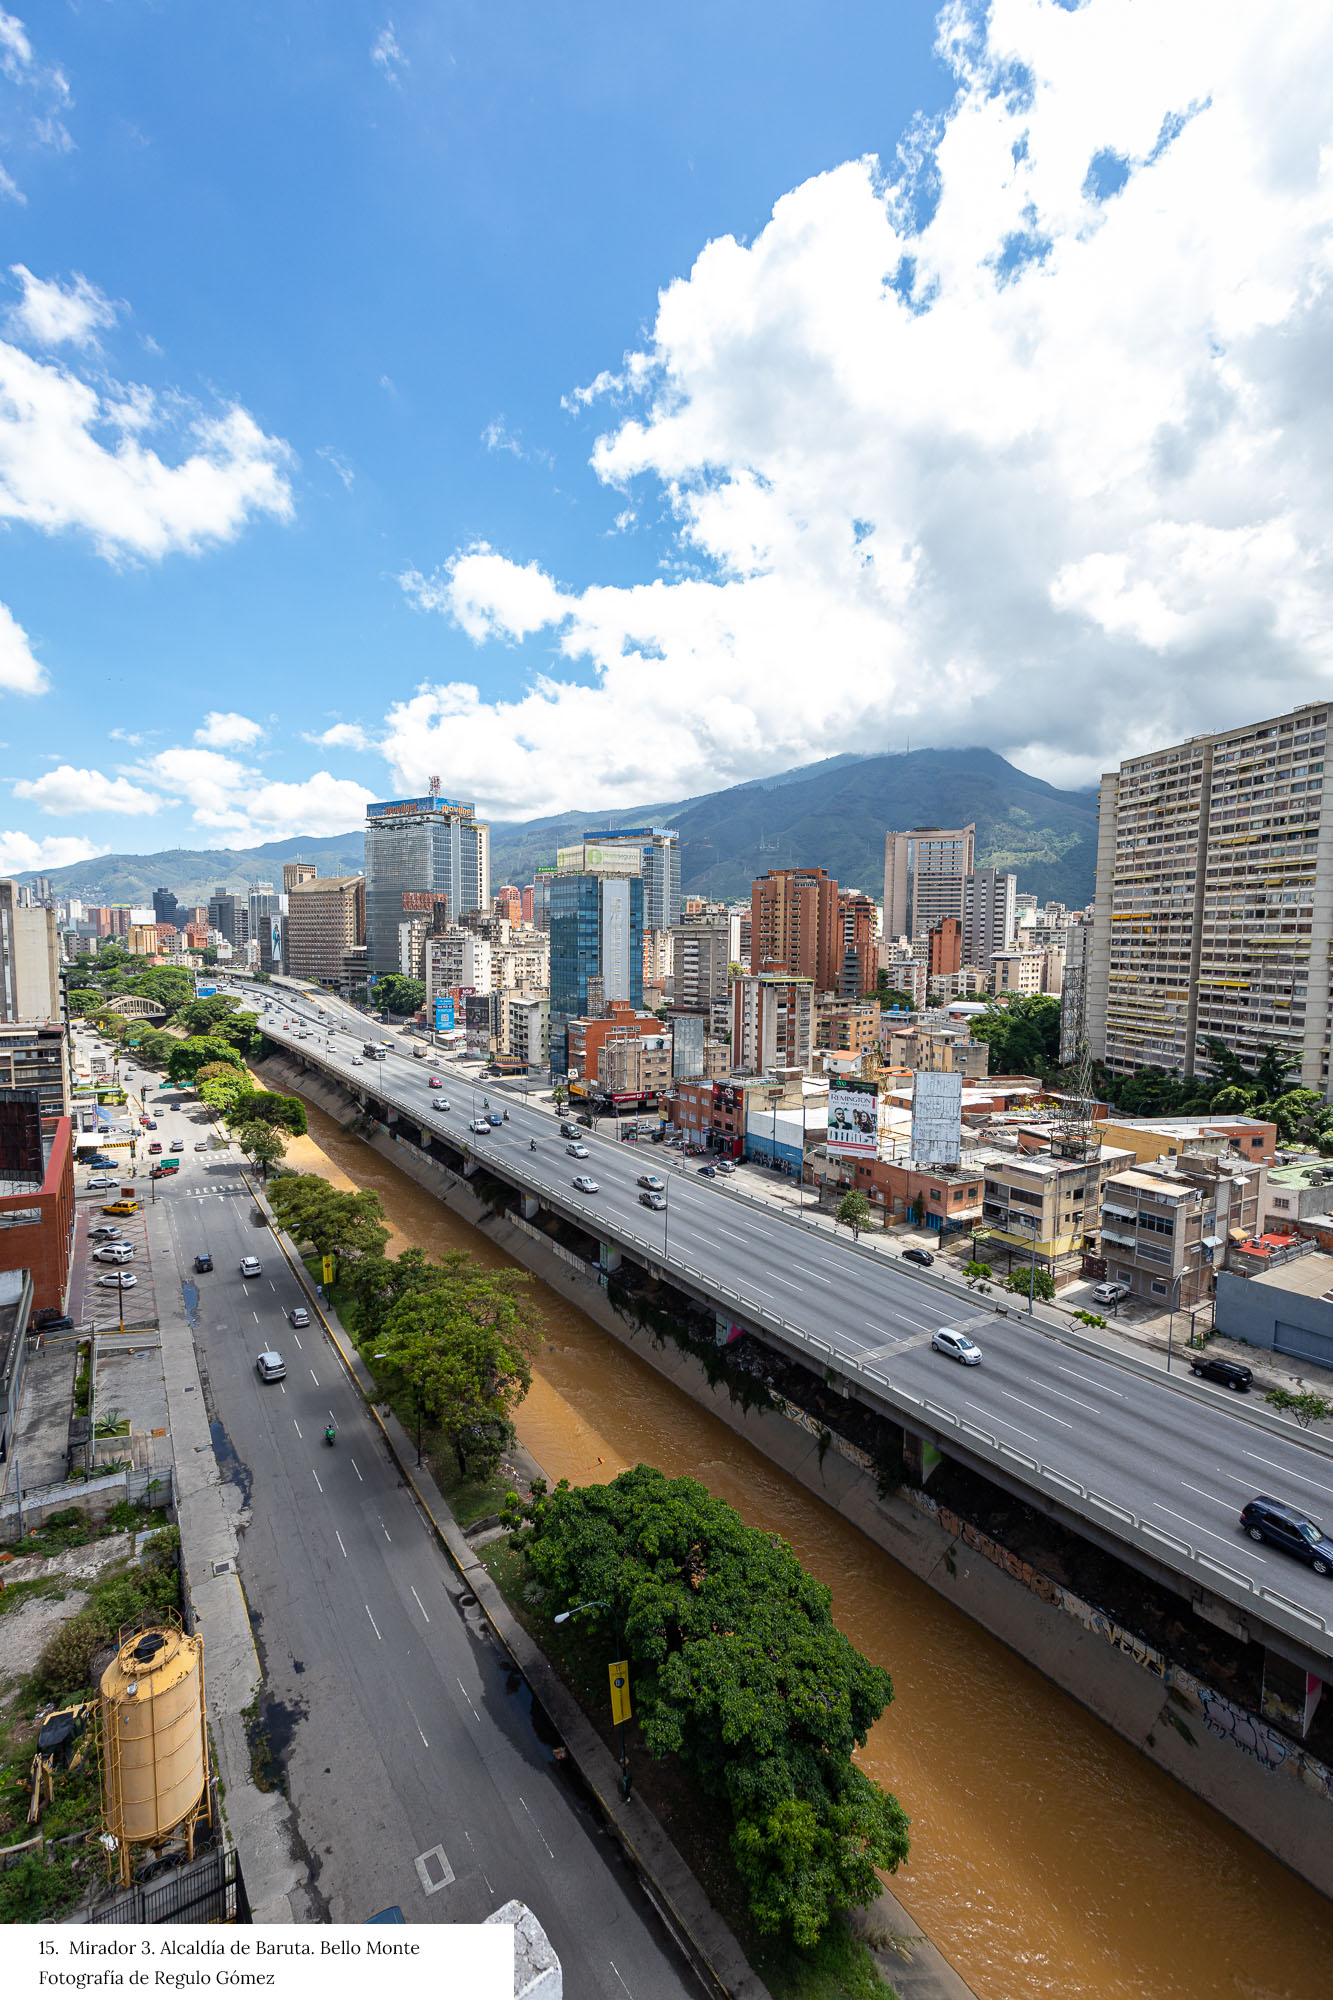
(417, 852)
(596, 936)
(660, 848)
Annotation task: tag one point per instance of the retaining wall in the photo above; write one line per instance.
(1233, 1760)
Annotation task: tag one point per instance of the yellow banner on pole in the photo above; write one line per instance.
(327, 1263)
(620, 1708)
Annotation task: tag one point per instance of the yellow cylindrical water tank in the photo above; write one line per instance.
(153, 1733)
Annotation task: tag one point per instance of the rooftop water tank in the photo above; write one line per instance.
(154, 1757)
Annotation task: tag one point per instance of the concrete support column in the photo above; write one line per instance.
(531, 1208)
(1291, 1695)
(610, 1256)
(469, 1168)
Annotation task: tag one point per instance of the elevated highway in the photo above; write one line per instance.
(1152, 1468)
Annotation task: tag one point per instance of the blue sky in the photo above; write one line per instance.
(593, 408)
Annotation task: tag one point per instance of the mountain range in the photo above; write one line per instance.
(832, 815)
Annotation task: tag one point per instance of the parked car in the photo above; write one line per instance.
(204, 1261)
(271, 1365)
(915, 1256)
(653, 1200)
(156, 1146)
(120, 1208)
(299, 1316)
(651, 1181)
(1289, 1528)
(577, 1151)
(104, 1232)
(119, 1280)
(726, 1166)
(251, 1267)
(956, 1345)
(439, 1104)
(1231, 1374)
(708, 1170)
(585, 1183)
(114, 1253)
(1110, 1294)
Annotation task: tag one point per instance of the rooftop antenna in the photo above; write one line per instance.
(433, 787)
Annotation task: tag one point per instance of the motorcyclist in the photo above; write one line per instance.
(330, 1433)
(506, 1117)
(532, 1145)
(485, 1103)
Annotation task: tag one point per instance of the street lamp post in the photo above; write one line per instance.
(622, 1688)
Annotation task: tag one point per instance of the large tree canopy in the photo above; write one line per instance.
(740, 1671)
(1024, 1035)
(195, 1053)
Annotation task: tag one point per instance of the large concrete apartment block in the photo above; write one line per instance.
(924, 872)
(1214, 907)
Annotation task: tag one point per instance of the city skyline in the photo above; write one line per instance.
(337, 427)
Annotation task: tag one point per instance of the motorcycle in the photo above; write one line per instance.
(330, 1434)
(532, 1145)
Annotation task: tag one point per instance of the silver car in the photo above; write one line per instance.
(956, 1345)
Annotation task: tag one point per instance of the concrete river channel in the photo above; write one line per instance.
(1049, 1860)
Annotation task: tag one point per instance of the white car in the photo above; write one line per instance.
(119, 1280)
(251, 1267)
(201, 1145)
(479, 1125)
(358, 1062)
(114, 1253)
(101, 1181)
(585, 1183)
(576, 1151)
(439, 1104)
(957, 1346)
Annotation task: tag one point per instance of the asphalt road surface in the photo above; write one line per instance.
(417, 1771)
(1186, 1462)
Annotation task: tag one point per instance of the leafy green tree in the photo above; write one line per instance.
(398, 995)
(264, 1144)
(209, 954)
(155, 1046)
(187, 1058)
(1023, 1034)
(977, 1273)
(378, 1282)
(170, 985)
(1235, 1098)
(1304, 1405)
(84, 1000)
(222, 1087)
(272, 1108)
(336, 1222)
(739, 1671)
(853, 1212)
(463, 1346)
(1042, 1284)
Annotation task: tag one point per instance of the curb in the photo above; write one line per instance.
(699, 1930)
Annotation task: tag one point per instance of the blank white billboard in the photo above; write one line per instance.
(937, 1118)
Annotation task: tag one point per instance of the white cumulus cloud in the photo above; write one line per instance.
(19, 851)
(69, 790)
(231, 798)
(52, 314)
(228, 731)
(19, 670)
(342, 736)
(386, 55)
(1021, 438)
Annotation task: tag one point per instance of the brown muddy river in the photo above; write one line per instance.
(1049, 1860)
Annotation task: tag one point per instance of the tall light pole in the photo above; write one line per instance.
(620, 1708)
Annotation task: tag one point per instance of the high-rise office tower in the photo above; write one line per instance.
(230, 916)
(326, 921)
(29, 959)
(660, 846)
(859, 968)
(166, 910)
(796, 926)
(296, 872)
(1214, 908)
(596, 943)
(924, 870)
(418, 850)
(990, 914)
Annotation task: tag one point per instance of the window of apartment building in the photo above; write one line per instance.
(1159, 1287)
(1281, 1201)
(1163, 1224)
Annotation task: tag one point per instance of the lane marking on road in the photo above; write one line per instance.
(616, 1969)
(315, 1476)
(356, 1469)
(342, 1546)
(1005, 1421)
(420, 1606)
(540, 1835)
(294, 1337)
(420, 1731)
(1235, 1479)
(298, 1429)
(1037, 1410)
(256, 1317)
(272, 1287)
(378, 1634)
(1105, 1387)
(1291, 1472)
(467, 1698)
(314, 1378)
(1198, 1526)
(1216, 1500)
(480, 1870)
(387, 1536)
(1065, 1397)
(434, 1870)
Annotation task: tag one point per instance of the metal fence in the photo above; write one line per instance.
(208, 1891)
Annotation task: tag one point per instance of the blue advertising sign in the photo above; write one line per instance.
(204, 992)
(444, 1013)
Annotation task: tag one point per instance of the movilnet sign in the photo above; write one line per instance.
(402, 808)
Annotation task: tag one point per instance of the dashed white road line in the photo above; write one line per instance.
(616, 1969)
(387, 1536)
(467, 1698)
(1291, 1474)
(342, 1545)
(356, 1469)
(1005, 1421)
(1037, 1410)
(315, 1476)
(420, 1606)
(1105, 1387)
(314, 1378)
(1198, 1526)
(540, 1835)
(298, 1430)
(380, 1636)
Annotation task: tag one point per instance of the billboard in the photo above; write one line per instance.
(444, 1012)
(937, 1118)
(853, 1118)
(688, 1045)
(275, 940)
(203, 990)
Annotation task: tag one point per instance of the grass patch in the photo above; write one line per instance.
(841, 1966)
(36, 1586)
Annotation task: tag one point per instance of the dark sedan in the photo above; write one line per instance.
(915, 1256)
(1231, 1374)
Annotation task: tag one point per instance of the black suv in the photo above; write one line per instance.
(1288, 1528)
(1230, 1374)
(204, 1261)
